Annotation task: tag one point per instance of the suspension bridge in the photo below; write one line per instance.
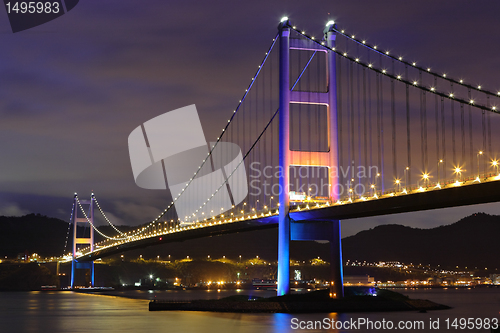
(330, 129)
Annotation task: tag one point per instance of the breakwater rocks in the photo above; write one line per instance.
(314, 302)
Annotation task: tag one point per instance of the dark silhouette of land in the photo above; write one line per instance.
(470, 242)
(357, 299)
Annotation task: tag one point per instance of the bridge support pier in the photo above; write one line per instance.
(324, 231)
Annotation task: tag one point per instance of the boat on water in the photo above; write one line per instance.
(264, 284)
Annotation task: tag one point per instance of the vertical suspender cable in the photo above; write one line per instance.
(382, 130)
(348, 113)
(471, 144)
(379, 143)
(339, 112)
(393, 125)
(365, 130)
(453, 134)
(443, 136)
(488, 116)
(422, 151)
(370, 120)
(318, 87)
(351, 87)
(426, 160)
(436, 112)
(358, 97)
(370, 125)
(408, 140)
(462, 127)
(484, 139)
(271, 148)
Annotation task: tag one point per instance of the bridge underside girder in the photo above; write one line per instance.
(445, 198)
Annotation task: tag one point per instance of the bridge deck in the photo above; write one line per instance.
(395, 203)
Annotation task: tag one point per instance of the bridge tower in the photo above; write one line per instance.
(310, 230)
(75, 264)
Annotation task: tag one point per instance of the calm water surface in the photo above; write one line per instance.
(55, 312)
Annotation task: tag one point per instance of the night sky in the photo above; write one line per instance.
(72, 90)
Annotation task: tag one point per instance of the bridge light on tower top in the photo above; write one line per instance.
(284, 19)
(330, 23)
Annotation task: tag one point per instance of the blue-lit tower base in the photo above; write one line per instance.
(82, 241)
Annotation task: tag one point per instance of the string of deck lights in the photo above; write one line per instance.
(251, 148)
(414, 64)
(384, 72)
(220, 136)
(390, 193)
(398, 77)
(370, 66)
(69, 226)
(92, 224)
(242, 160)
(138, 232)
(104, 215)
(307, 206)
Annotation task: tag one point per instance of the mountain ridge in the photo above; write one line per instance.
(470, 242)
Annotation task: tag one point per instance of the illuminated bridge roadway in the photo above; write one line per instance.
(452, 194)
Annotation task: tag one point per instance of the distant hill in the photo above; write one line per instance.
(472, 241)
(33, 233)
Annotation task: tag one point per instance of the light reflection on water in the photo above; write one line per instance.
(73, 312)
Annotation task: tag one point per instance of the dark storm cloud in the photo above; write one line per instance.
(73, 89)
